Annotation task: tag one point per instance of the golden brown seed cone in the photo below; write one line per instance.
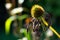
(37, 11)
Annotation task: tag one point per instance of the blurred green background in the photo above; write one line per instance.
(50, 6)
